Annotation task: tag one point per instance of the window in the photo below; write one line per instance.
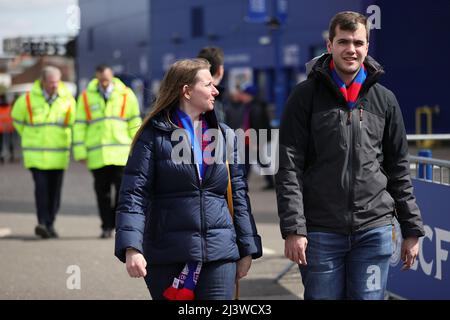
(197, 22)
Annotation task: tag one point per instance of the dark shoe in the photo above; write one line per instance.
(107, 233)
(42, 231)
(52, 232)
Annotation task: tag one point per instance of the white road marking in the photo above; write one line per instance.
(267, 251)
(4, 232)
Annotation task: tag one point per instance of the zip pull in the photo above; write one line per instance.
(349, 117)
(200, 179)
(360, 116)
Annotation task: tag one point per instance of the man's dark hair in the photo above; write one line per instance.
(214, 55)
(102, 67)
(348, 21)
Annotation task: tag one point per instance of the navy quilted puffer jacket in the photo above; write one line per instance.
(168, 215)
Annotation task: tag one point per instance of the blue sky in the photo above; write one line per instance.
(35, 17)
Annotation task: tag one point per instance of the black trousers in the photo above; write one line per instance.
(7, 143)
(47, 194)
(104, 179)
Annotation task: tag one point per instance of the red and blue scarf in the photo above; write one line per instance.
(350, 92)
(199, 144)
(183, 287)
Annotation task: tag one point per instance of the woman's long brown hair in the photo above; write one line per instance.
(183, 72)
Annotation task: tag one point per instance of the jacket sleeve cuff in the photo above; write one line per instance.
(250, 246)
(301, 231)
(416, 232)
(132, 241)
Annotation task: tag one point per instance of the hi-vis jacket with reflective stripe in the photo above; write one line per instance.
(46, 130)
(104, 130)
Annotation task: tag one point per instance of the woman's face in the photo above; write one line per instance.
(202, 94)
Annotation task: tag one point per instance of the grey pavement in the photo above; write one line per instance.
(41, 269)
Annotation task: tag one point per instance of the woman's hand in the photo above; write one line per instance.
(242, 267)
(135, 263)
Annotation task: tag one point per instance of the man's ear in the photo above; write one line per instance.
(329, 45)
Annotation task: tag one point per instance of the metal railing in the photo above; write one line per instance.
(439, 168)
(419, 137)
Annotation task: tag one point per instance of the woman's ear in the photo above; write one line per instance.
(186, 93)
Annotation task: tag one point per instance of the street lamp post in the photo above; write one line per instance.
(279, 91)
(257, 13)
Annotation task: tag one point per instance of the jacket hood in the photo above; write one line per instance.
(63, 91)
(310, 64)
(322, 62)
(321, 70)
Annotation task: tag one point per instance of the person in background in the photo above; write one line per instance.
(107, 119)
(256, 116)
(43, 117)
(6, 130)
(215, 57)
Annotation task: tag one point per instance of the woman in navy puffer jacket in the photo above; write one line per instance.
(173, 217)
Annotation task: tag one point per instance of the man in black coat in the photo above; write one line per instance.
(215, 56)
(344, 172)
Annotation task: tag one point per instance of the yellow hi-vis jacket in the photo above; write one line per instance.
(46, 130)
(103, 131)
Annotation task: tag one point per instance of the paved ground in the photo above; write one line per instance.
(37, 269)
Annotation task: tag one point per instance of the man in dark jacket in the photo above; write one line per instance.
(215, 56)
(344, 172)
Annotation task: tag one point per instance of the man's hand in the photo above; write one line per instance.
(295, 248)
(410, 249)
(242, 267)
(135, 263)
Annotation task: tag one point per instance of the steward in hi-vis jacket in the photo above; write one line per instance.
(43, 117)
(107, 119)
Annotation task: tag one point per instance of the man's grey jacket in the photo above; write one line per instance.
(344, 171)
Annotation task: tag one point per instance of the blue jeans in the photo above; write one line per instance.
(347, 266)
(215, 282)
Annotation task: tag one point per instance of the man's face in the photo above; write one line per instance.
(349, 49)
(50, 84)
(104, 78)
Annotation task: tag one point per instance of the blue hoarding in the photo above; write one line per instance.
(430, 275)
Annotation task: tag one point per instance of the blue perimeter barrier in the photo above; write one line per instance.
(430, 276)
